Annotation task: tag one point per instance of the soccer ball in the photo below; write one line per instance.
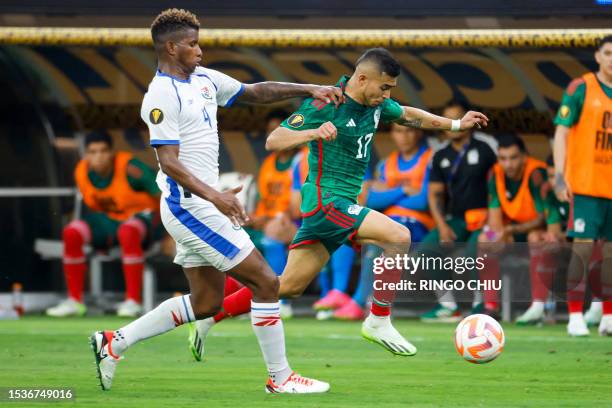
(479, 338)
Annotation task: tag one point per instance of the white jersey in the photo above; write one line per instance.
(184, 112)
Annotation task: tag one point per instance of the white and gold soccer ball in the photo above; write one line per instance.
(479, 338)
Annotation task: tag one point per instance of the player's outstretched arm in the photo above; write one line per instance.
(420, 119)
(282, 138)
(226, 202)
(266, 92)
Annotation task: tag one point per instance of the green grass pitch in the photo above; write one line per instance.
(539, 367)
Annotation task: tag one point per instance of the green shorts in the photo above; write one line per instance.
(332, 221)
(104, 229)
(590, 218)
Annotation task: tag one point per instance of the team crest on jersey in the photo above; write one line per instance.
(206, 92)
(296, 120)
(156, 116)
(354, 209)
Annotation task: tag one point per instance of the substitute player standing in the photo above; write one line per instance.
(583, 174)
(340, 141)
(180, 109)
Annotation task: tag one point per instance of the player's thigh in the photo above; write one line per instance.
(303, 264)
(256, 274)
(378, 229)
(206, 287)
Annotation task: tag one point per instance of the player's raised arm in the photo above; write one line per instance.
(226, 202)
(267, 92)
(282, 138)
(418, 118)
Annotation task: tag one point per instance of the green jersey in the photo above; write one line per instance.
(339, 166)
(573, 100)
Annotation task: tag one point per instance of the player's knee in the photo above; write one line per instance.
(75, 234)
(131, 233)
(534, 237)
(399, 235)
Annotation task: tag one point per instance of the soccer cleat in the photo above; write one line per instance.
(68, 307)
(576, 327)
(286, 310)
(129, 308)
(333, 300)
(106, 362)
(441, 314)
(197, 335)
(296, 384)
(592, 317)
(605, 326)
(350, 311)
(533, 315)
(379, 330)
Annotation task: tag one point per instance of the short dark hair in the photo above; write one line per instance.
(383, 59)
(96, 136)
(602, 41)
(457, 103)
(510, 139)
(170, 21)
(277, 114)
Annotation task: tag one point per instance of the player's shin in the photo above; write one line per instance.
(268, 327)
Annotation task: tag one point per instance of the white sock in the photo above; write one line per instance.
(169, 314)
(449, 305)
(446, 299)
(576, 316)
(268, 327)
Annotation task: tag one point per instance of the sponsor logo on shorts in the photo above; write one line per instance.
(354, 209)
(296, 120)
(579, 225)
(156, 116)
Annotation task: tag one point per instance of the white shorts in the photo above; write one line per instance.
(203, 235)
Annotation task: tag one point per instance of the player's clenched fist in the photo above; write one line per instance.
(327, 132)
(474, 119)
(229, 205)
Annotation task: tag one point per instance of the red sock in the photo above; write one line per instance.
(574, 306)
(490, 272)
(595, 265)
(231, 286)
(235, 304)
(74, 236)
(131, 234)
(541, 267)
(607, 307)
(382, 300)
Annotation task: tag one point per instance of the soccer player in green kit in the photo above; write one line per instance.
(340, 142)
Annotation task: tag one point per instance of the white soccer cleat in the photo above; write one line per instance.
(533, 315)
(576, 327)
(592, 317)
(286, 311)
(296, 384)
(129, 308)
(379, 330)
(605, 326)
(106, 364)
(68, 307)
(197, 335)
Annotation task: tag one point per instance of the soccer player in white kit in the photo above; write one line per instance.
(180, 109)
